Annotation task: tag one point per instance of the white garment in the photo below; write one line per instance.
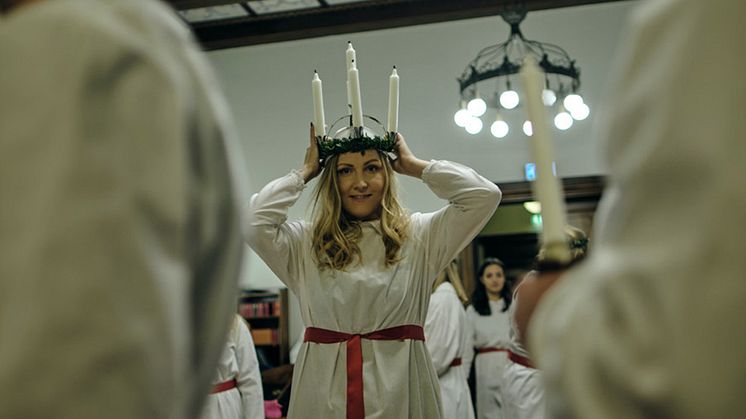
(446, 339)
(522, 389)
(399, 379)
(489, 332)
(239, 362)
(119, 232)
(653, 323)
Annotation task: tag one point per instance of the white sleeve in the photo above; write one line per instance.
(442, 334)
(468, 357)
(249, 379)
(270, 235)
(472, 200)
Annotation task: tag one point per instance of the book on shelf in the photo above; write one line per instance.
(265, 336)
(259, 309)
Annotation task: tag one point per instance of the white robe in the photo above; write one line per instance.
(653, 323)
(446, 338)
(119, 232)
(399, 379)
(489, 331)
(239, 362)
(522, 388)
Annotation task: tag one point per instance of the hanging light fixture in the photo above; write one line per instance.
(498, 63)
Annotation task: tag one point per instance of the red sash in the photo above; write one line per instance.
(355, 401)
(224, 386)
(520, 360)
(490, 349)
(456, 362)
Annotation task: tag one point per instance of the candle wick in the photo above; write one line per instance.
(394, 67)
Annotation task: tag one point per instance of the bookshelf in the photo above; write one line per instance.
(266, 311)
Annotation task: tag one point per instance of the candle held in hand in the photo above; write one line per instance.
(546, 186)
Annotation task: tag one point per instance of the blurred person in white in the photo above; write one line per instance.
(119, 229)
(447, 340)
(653, 323)
(237, 387)
(523, 391)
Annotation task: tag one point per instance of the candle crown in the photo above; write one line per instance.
(355, 139)
(356, 136)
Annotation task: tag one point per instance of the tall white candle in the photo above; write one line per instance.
(318, 105)
(350, 55)
(546, 186)
(393, 122)
(357, 106)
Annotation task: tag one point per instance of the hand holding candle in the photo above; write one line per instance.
(318, 105)
(546, 187)
(393, 121)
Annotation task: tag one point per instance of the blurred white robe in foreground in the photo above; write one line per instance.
(653, 324)
(119, 232)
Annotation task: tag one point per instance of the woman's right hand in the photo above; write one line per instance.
(311, 166)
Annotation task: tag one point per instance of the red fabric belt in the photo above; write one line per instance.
(456, 362)
(521, 360)
(355, 401)
(490, 349)
(224, 386)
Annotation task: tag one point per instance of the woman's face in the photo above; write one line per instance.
(361, 181)
(493, 279)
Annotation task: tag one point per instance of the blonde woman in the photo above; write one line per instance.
(363, 270)
(447, 340)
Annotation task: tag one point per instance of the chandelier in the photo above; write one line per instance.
(497, 64)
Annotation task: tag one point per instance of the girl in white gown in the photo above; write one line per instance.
(363, 271)
(488, 325)
(237, 387)
(447, 340)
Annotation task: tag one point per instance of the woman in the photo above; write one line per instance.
(447, 340)
(488, 323)
(366, 266)
(522, 389)
(237, 388)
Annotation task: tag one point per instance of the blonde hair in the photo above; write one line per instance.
(335, 235)
(577, 240)
(450, 274)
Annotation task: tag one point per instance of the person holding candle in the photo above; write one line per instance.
(487, 320)
(651, 325)
(447, 340)
(522, 390)
(363, 270)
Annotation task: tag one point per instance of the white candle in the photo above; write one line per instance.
(357, 107)
(546, 186)
(318, 105)
(350, 55)
(393, 122)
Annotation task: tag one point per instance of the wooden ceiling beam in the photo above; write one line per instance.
(348, 18)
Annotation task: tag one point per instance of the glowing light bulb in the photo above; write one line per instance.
(474, 125)
(477, 106)
(528, 129)
(563, 121)
(461, 117)
(499, 129)
(572, 102)
(548, 97)
(509, 99)
(581, 112)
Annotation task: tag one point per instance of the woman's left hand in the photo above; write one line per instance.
(406, 162)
